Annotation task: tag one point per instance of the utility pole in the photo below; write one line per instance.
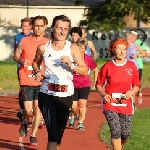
(27, 8)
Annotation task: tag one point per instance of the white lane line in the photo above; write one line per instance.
(21, 143)
(94, 105)
(21, 139)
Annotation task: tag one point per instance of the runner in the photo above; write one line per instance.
(55, 97)
(82, 85)
(26, 28)
(132, 52)
(75, 33)
(90, 50)
(117, 104)
(139, 61)
(29, 87)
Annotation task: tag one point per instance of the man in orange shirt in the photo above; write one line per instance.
(29, 87)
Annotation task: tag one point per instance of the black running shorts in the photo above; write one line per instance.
(29, 93)
(81, 93)
(140, 74)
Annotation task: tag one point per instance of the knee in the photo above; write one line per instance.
(36, 110)
(125, 135)
(28, 112)
(74, 105)
(82, 105)
(52, 136)
(115, 133)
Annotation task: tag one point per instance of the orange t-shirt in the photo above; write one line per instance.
(29, 47)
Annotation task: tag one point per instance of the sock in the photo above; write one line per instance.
(80, 121)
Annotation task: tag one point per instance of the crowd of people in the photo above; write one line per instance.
(54, 78)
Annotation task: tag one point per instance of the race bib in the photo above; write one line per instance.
(118, 99)
(57, 86)
(30, 72)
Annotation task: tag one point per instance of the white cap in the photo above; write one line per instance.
(134, 32)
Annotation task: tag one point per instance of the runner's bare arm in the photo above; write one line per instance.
(38, 58)
(145, 53)
(92, 47)
(77, 56)
(95, 71)
(15, 47)
(17, 53)
(141, 54)
(15, 44)
(105, 96)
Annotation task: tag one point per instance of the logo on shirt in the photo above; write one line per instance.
(129, 71)
(49, 55)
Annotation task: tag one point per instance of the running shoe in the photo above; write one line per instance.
(76, 117)
(19, 115)
(80, 126)
(23, 130)
(71, 122)
(41, 124)
(33, 141)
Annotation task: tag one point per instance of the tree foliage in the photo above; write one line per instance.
(109, 15)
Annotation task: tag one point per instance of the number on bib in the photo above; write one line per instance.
(57, 88)
(118, 102)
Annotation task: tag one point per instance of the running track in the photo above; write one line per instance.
(72, 140)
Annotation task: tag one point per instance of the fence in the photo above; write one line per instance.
(15, 13)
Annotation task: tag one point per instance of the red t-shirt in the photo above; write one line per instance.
(29, 47)
(119, 78)
(81, 81)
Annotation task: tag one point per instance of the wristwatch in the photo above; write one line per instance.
(73, 66)
(35, 72)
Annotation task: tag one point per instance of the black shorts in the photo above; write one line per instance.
(120, 124)
(81, 93)
(29, 93)
(140, 74)
(55, 111)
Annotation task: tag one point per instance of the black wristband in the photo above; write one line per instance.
(36, 72)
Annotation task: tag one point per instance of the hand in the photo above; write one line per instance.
(66, 60)
(128, 94)
(107, 97)
(25, 62)
(39, 77)
(133, 56)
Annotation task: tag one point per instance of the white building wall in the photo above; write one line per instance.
(15, 13)
(101, 42)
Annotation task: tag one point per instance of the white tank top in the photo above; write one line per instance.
(58, 76)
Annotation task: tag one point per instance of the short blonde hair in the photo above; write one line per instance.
(82, 42)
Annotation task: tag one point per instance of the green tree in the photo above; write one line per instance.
(109, 14)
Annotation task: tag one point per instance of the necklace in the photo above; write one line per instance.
(59, 46)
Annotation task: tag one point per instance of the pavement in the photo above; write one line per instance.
(8, 92)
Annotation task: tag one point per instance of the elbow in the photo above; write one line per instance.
(85, 71)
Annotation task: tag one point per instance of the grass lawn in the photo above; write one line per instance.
(140, 133)
(8, 75)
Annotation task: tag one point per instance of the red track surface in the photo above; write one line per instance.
(72, 140)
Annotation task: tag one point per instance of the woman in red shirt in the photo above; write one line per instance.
(121, 80)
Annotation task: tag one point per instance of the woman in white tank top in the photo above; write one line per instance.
(55, 97)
